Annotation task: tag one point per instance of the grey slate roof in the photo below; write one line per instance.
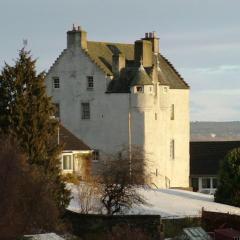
(101, 54)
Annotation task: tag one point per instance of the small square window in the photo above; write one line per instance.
(90, 83)
(95, 155)
(85, 111)
(67, 162)
(56, 82)
(139, 89)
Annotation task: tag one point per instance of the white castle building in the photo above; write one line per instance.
(112, 95)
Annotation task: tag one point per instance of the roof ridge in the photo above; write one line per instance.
(111, 42)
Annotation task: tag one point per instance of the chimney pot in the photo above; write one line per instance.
(146, 35)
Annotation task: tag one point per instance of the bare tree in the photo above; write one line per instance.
(120, 179)
(88, 193)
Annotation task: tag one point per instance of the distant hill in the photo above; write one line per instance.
(215, 131)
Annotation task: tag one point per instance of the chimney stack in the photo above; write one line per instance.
(152, 36)
(143, 51)
(118, 63)
(77, 38)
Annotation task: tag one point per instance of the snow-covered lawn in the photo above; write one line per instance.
(172, 203)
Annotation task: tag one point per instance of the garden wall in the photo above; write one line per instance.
(89, 226)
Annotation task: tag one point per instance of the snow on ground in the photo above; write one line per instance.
(172, 203)
(179, 203)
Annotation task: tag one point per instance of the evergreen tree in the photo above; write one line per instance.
(26, 114)
(228, 191)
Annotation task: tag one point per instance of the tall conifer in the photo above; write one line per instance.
(228, 190)
(26, 114)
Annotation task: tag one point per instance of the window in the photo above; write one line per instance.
(206, 183)
(139, 89)
(172, 149)
(96, 155)
(56, 82)
(90, 83)
(85, 111)
(67, 162)
(172, 112)
(57, 110)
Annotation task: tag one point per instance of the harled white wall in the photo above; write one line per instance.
(108, 128)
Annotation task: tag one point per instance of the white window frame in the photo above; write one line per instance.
(56, 82)
(210, 190)
(85, 111)
(70, 168)
(90, 83)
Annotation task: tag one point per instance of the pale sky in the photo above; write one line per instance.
(200, 37)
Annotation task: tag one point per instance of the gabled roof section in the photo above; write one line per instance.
(70, 141)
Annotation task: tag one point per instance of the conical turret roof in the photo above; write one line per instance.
(141, 77)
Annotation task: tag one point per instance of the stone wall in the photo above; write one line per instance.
(89, 226)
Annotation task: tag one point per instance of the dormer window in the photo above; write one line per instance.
(139, 88)
(56, 82)
(90, 83)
